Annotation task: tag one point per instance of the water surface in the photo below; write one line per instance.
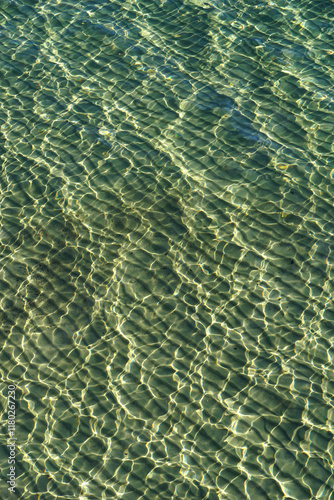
(167, 248)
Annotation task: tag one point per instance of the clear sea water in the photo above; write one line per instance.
(167, 251)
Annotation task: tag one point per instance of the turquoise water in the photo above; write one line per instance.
(166, 233)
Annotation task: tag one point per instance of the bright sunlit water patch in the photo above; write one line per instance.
(166, 234)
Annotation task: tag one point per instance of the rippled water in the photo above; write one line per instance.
(167, 248)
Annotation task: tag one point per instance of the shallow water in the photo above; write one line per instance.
(167, 248)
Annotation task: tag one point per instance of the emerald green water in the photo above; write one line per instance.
(166, 235)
